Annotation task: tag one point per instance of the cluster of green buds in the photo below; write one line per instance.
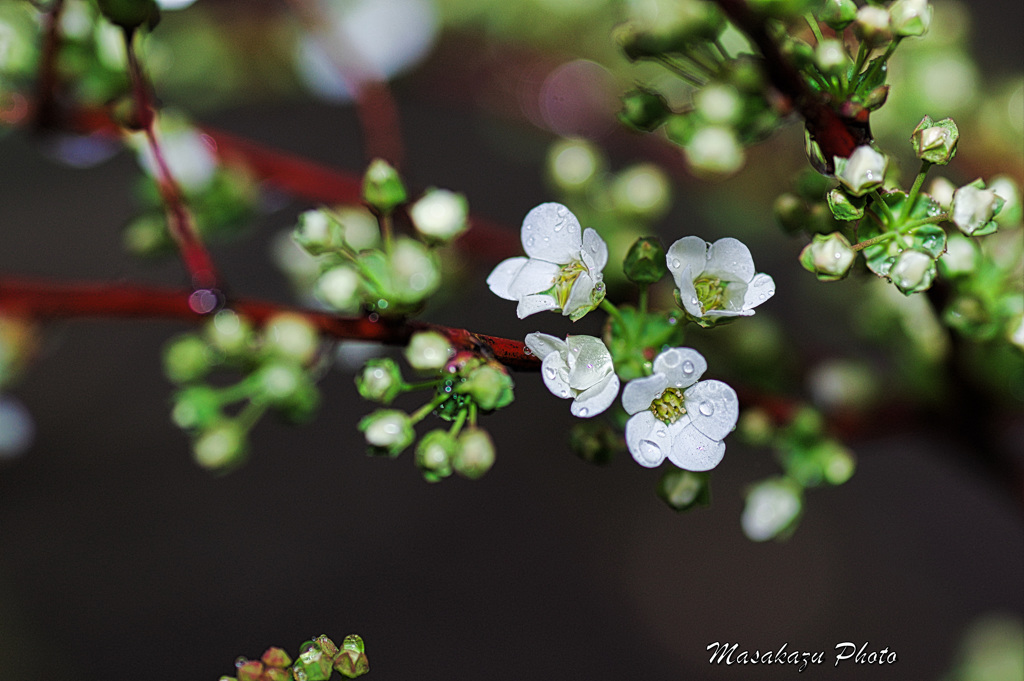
(724, 107)
(361, 264)
(318, 660)
(222, 198)
(278, 361)
(809, 458)
(461, 387)
(621, 205)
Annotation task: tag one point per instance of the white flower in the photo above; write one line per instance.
(674, 416)
(580, 367)
(717, 280)
(563, 271)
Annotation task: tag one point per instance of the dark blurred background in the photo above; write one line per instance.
(121, 559)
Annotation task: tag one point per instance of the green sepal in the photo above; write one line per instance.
(684, 490)
(131, 14)
(635, 339)
(643, 109)
(382, 186)
(645, 261)
(844, 206)
(930, 239)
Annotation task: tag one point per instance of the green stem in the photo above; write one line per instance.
(678, 69)
(239, 391)
(874, 240)
(613, 311)
(815, 28)
(386, 229)
(422, 385)
(916, 189)
(430, 406)
(890, 219)
(251, 414)
(862, 56)
(914, 224)
(642, 302)
(457, 424)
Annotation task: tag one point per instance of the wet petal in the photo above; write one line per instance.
(692, 450)
(551, 232)
(640, 392)
(534, 277)
(580, 296)
(648, 439)
(761, 288)
(501, 278)
(729, 259)
(690, 252)
(688, 293)
(542, 344)
(596, 399)
(682, 367)
(529, 305)
(555, 373)
(592, 361)
(713, 407)
(594, 251)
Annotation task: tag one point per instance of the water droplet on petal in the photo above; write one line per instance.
(240, 660)
(530, 241)
(528, 226)
(676, 264)
(688, 367)
(564, 393)
(559, 225)
(706, 408)
(694, 301)
(584, 411)
(761, 297)
(650, 451)
(549, 372)
(561, 211)
(547, 239)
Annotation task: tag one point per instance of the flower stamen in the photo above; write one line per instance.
(565, 279)
(670, 407)
(710, 292)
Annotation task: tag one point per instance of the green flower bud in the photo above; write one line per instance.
(428, 350)
(474, 454)
(772, 510)
(382, 186)
(280, 382)
(387, 431)
(196, 407)
(755, 426)
(872, 25)
(440, 215)
(131, 14)
(1004, 187)
(714, 150)
(1015, 331)
(645, 261)
(351, 661)
(641, 191)
(147, 236)
(187, 358)
(941, 190)
(292, 337)
(489, 385)
(230, 333)
(314, 663)
(913, 271)
(782, 9)
(340, 288)
(838, 14)
(910, 17)
(318, 232)
(791, 211)
(845, 207)
(680, 128)
(837, 462)
(719, 104)
(683, 490)
(935, 142)
(831, 57)
(960, 258)
(876, 98)
(974, 208)
(594, 441)
(573, 164)
(643, 109)
(220, 446)
(863, 171)
(434, 453)
(380, 381)
(250, 671)
(412, 273)
(828, 256)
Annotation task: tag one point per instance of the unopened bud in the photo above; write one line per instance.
(935, 142)
(387, 431)
(428, 350)
(910, 17)
(440, 215)
(645, 261)
(863, 171)
(974, 207)
(474, 454)
(382, 186)
(913, 271)
(828, 256)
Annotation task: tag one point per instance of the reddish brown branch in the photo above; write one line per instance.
(179, 219)
(45, 300)
(836, 135)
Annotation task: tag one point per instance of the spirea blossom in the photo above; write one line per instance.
(716, 280)
(563, 270)
(580, 368)
(676, 417)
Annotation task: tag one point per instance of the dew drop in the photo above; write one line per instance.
(546, 239)
(676, 264)
(549, 372)
(241, 660)
(564, 393)
(694, 301)
(762, 297)
(530, 241)
(299, 674)
(687, 367)
(650, 451)
(528, 226)
(706, 408)
(584, 411)
(559, 225)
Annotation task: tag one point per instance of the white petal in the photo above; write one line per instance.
(689, 252)
(761, 288)
(533, 304)
(682, 367)
(534, 277)
(556, 374)
(596, 399)
(501, 278)
(648, 439)
(692, 450)
(551, 232)
(592, 361)
(594, 251)
(687, 292)
(580, 294)
(542, 344)
(729, 259)
(640, 392)
(713, 407)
